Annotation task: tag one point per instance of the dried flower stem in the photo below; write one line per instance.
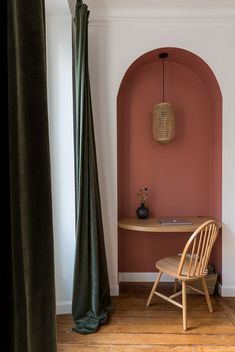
(142, 195)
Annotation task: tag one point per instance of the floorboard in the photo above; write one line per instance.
(133, 327)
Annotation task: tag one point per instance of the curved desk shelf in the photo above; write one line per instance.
(153, 224)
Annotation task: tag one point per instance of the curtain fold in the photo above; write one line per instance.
(91, 304)
(32, 263)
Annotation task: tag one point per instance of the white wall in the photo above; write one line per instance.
(119, 32)
(118, 37)
(61, 146)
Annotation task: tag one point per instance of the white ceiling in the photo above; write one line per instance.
(110, 6)
(164, 4)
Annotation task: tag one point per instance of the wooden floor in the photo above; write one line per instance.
(158, 328)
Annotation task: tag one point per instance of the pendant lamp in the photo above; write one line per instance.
(163, 114)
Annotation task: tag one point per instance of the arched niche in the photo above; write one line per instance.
(183, 176)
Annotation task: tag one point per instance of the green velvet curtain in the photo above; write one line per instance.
(32, 263)
(91, 294)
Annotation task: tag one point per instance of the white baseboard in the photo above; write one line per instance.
(64, 307)
(114, 290)
(142, 277)
(227, 290)
(223, 290)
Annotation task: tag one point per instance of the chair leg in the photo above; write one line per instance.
(175, 286)
(208, 300)
(154, 288)
(184, 302)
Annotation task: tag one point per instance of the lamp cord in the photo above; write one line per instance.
(163, 56)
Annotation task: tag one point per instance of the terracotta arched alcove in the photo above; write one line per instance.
(183, 176)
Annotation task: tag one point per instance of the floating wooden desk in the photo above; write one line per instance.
(153, 225)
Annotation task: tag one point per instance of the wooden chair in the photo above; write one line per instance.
(191, 265)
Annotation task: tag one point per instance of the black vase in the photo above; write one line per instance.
(142, 212)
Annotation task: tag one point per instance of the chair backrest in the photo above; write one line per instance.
(196, 253)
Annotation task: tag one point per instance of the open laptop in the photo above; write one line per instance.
(174, 221)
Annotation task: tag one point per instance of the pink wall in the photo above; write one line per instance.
(184, 176)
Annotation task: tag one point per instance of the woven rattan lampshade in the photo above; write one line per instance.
(163, 122)
(163, 115)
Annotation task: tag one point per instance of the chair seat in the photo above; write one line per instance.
(170, 266)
